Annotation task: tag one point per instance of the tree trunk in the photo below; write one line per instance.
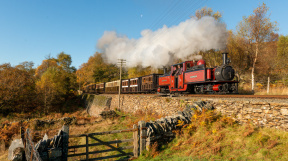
(253, 67)
(45, 101)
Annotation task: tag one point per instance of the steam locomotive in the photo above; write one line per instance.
(185, 77)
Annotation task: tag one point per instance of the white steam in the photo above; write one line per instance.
(159, 48)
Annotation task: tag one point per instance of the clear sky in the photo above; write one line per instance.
(30, 30)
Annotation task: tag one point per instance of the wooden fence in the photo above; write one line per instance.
(139, 140)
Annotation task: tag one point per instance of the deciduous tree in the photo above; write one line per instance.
(52, 88)
(96, 70)
(44, 66)
(239, 53)
(17, 89)
(282, 57)
(207, 12)
(257, 29)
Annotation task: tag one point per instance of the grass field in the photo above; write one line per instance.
(210, 136)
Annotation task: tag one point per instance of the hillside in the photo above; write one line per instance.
(211, 136)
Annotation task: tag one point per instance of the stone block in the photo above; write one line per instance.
(247, 116)
(246, 102)
(259, 103)
(278, 104)
(96, 104)
(275, 112)
(17, 143)
(267, 111)
(55, 153)
(257, 110)
(265, 107)
(284, 111)
(248, 109)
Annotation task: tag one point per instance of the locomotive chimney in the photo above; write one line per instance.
(165, 70)
(224, 58)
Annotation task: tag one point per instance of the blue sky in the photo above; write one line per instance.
(30, 30)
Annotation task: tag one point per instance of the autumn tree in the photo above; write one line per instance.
(97, 70)
(208, 12)
(139, 71)
(17, 89)
(51, 87)
(257, 29)
(55, 79)
(27, 66)
(44, 66)
(239, 53)
(64, 61)
(282, 57)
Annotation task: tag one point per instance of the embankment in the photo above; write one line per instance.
(261, 112)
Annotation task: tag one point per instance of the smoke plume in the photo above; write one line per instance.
(159, 48)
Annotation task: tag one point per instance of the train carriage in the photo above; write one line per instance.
(112, 87)
(149, 83)
(91, 88)
(135, 85)
(100, 88)
(125, 86)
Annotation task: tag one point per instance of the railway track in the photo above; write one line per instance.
(219, 96)
(240, 96)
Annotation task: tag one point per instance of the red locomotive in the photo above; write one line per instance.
(194, 77)
(185, 77)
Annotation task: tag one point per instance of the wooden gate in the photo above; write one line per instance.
(92, 137)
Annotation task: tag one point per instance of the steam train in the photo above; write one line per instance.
(185, 77)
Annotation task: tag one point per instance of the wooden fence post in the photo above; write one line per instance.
(65, 140)
(136, 142)
(143, 135)
(268, 85)
(148, 142)
(87, 148)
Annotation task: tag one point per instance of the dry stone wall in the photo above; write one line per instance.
(261, 112)
(266, 114)
(95, 104)
(165, 106)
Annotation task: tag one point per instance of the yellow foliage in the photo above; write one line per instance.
(180, 123)
(259, 85)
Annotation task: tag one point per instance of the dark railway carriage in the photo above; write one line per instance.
(90, 88)
(149, 83)
(100, 88)
(135, 85)
(125, 86)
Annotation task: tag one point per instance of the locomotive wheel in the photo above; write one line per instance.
(199, 89)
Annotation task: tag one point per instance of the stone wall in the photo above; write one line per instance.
(262, 112)
(265, 113)
(165, 106)
(95, 104)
